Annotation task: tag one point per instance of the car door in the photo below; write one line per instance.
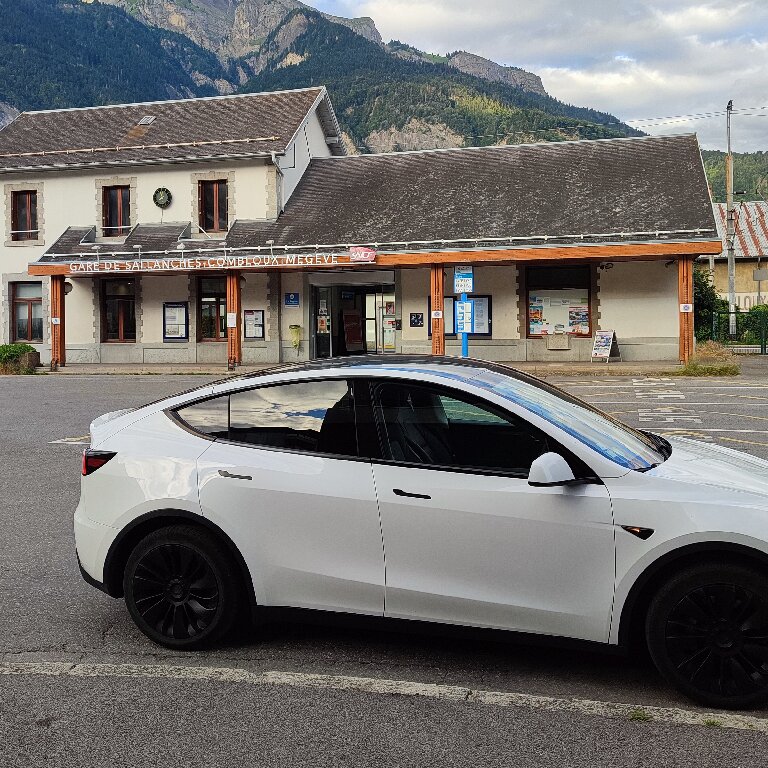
(284, 480)
(467, 539)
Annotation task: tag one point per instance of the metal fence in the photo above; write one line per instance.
(745, 332)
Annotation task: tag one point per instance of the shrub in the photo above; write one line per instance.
(696, 368)
(713, 351)
(13, 360)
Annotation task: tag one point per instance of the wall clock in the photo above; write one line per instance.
(162, 197)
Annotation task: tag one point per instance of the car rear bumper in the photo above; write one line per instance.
(89, 579)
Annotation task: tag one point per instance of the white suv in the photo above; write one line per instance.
(495, 500)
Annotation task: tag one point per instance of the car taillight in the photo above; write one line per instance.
(92, 460)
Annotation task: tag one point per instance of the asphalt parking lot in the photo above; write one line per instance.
(80, 686)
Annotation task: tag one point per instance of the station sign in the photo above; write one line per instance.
(179, 262)
(463, 280)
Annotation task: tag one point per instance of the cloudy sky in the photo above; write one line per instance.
(637, 59)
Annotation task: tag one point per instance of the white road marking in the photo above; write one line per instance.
(82, 440)
(386, 687)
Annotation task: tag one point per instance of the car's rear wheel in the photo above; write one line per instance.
(707, 632)
(181, 588)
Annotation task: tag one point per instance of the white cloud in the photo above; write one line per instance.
(633, 58)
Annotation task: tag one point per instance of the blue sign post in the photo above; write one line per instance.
(464, 283)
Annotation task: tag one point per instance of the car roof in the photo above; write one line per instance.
(388, 362)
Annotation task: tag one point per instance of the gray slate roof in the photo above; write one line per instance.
(207, 128)
(78, 243)
(526, 191)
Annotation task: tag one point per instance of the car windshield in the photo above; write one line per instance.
(597, 430)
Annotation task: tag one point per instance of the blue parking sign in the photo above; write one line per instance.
(291, 299)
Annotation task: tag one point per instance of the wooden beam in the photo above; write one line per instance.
(437, 291)
(618, 252)
(685, 296)
(234, 336)
(58, 334)
(542, 253)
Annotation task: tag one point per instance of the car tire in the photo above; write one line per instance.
(181, 588)
(707, 633)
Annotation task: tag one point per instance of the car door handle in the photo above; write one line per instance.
(224, 473)
(400, 492)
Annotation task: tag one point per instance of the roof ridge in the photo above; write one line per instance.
(535, 144)
(171, 101)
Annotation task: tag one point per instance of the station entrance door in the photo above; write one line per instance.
(353, 318)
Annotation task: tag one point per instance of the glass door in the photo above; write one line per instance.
(380, 320)
(322, 322)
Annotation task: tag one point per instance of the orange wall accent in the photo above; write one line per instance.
(234, 341)
(58, 333)
(437, 291)
(685, 296)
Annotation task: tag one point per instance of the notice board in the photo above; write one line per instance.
(605, 346)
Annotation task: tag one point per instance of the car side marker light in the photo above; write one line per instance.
(636, 530)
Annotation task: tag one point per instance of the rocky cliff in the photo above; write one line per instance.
(477, 66)
(229, 28)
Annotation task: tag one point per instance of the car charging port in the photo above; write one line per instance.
(92, 460)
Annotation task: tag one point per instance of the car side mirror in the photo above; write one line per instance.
(550, 469)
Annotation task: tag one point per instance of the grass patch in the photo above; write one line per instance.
(711, 359)
(640, 716)
(695, 368)
(712, 723)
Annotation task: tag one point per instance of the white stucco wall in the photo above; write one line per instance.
(79, 306)
(498, 282)
(156, 289)
(293, 282)
(70, 199)
(309, 142)
(254, 296)
(639, 299)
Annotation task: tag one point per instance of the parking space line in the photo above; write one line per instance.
(386, 687)
(81, 440)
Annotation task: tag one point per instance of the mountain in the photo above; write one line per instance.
(387, 101)
(68, 53)
(55, 54)
(229, 28)
(750, 174)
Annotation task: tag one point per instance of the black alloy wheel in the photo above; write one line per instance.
(181, 588)
(707, 631)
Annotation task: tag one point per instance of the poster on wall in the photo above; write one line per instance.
(482, 318)
(254, 323)
(558, 312)
(175, 321)
(389, 328)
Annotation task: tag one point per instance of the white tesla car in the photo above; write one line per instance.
(436, 489)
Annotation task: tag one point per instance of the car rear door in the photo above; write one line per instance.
(467, 540)
(285, 481)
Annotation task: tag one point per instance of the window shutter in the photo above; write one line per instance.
(200, 213)
(15, 213)
(105, 208)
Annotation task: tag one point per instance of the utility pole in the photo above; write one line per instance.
(730, 232)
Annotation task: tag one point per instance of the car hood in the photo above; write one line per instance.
(714, 466)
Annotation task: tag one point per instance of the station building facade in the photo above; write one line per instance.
(236, 230)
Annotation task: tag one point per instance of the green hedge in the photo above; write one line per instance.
(11, 352)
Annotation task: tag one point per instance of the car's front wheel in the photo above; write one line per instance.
(707, 632)
(181, 588)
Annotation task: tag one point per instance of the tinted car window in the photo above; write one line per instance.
(315, 416)
(211, 417)
(427, 426)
